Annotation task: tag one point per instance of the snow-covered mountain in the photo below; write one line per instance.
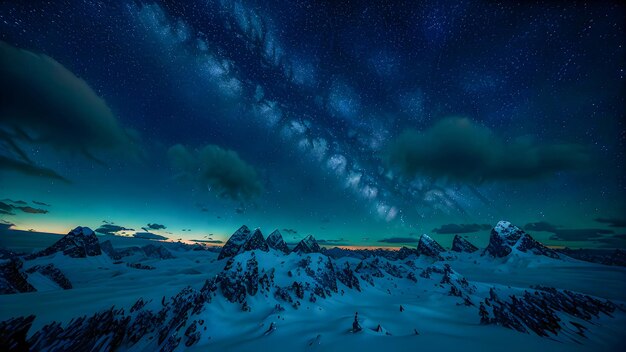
(78, 243)
(460, 244)
(275, 241)
(255, 294)
(429, 247)
(307, 245)
(506, 238)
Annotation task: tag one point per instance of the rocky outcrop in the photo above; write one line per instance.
(255, 241)
(107, 248)
(307, 245)
(149, 251)
(243, 240)
(275, 241)
(505, 237)
(53, 273)
(405, 252)
(543, 312)
(12, 280)
(429, 247)
(615, 257)
(461, 245)
(78, 243)
(156, 252)
(234, 243)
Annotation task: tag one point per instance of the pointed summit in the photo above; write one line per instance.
(255, 241)
(81, 242)
(275, 241)
(307, 245)
(459, 244)
(405, 252)
(505, 237)
(429, 247)
(236, 240)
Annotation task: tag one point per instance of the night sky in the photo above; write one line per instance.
(362, 123)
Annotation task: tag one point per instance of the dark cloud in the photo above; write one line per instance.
(32, 210)
(29, 169)
(336, 242)
(561, 234)
(541, 226)
(461, 228)
(220, 170)
(457, 149)
(290, 231)
(41, 203)
(111, 229)
(615, 241)
(612, 222)
(149, 236)
(156, 227)
(41, 102)
(6, 209)
(208, 241)
(20, 202)
(239, 210)
(399, 240)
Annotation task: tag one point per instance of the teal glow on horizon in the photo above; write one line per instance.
(358, 132)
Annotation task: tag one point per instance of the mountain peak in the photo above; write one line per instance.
(255, 241)
(459, 244)
(307, 245)
(505, 237)
(234, 243)
(275, 241)
(81, 231)
(429, 247)
(243, 240)
(81, 242)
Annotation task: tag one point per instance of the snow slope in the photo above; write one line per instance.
(270, 300)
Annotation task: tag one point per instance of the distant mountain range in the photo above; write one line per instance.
(257, 273)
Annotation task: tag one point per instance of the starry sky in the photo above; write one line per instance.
(362, 123)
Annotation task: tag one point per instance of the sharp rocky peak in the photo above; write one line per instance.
(459, 244)
(275, 241)
(81, 242)
(243, 240)
(505, 237)
(429, 247)
(307, 245)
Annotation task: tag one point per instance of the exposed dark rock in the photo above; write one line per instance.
(429, 247)
(540, 312)
(157, 252)
(53, 273)
(12, 280)
(236, 240)
(505, 237)
(13, 333)
(346, 276)
(601, 256)
(405, 252)
(107, 247)
(140, 266)
(307, 245)
(78, 243)
(459, 244)
(275, 241)
(255, 241)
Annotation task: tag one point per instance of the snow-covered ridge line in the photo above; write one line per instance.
(256, 282)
